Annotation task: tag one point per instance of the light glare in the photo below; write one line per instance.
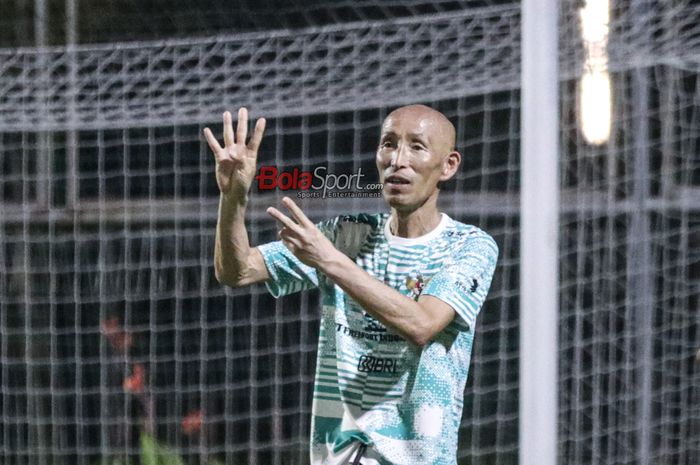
(595, 103)
(595, 17)
(595, 107)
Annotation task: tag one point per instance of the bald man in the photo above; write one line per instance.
(400, 292)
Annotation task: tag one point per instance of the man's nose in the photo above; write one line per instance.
(400, 157)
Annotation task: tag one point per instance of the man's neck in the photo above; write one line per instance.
(415, 223)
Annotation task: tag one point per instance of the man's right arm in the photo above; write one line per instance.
(235, 262)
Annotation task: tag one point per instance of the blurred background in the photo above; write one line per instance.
(118, 346)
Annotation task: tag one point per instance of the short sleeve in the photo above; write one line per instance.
(287, 273)
(465, 278)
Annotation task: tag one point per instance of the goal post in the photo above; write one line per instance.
(539, 233)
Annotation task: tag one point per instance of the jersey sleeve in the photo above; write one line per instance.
(465, 278)
(287, 273)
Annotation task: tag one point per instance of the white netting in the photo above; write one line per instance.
(630, 231)
(129, 20)
(108, 205)
(330, 68)
(282, 73)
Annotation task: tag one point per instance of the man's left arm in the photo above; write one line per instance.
(417, 321)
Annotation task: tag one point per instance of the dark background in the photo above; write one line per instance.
(137, 244)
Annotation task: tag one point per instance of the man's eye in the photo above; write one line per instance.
(417, 147)
(387, 143)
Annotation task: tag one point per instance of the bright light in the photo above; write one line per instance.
(595, 106)
(595, 16)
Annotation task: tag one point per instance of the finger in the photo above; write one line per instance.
(257, 134)
(242, 128)
(297, 212)
(290, 245)
(213, 143)
(284, 219)
(228, 129)
(287, 236)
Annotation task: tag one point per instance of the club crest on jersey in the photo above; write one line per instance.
(415, 283)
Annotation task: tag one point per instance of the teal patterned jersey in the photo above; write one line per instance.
(373, 386)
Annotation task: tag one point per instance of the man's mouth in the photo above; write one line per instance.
(396, 180)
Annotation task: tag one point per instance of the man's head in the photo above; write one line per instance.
(416, 152)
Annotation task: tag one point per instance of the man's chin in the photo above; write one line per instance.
(398, 201)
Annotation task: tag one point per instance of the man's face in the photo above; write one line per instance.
(412, 148)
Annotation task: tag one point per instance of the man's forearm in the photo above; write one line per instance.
(231, 248)
(395, 310)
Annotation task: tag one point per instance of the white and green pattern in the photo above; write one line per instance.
(371, 385)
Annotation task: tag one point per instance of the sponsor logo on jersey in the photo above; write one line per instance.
(371, 324)
(371, 364)
(373, 336)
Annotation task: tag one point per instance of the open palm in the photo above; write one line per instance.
(236, 160)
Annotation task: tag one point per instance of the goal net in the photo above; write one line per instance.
(116, 341)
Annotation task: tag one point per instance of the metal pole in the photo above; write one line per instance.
(640, 280)
(639, 265)
(539, 286)
(39, 23)
(43, 142)
(38, 431)
(72, 135)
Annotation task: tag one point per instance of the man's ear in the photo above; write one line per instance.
(450, 165)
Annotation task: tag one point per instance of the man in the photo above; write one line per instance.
(400, 293)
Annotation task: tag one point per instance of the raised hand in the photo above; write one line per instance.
(302, 237)
(236, 161)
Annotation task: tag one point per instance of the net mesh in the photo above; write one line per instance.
(281, 73)
(128, 20)
(629, 230)
(111, 322)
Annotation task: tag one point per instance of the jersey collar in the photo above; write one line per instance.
(425, 238)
